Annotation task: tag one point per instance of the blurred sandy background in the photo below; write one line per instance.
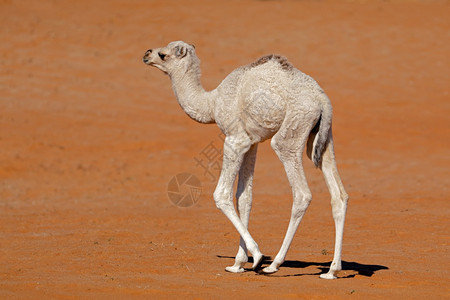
(90, 138)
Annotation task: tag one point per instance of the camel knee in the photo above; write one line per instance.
(222, 199)
(339, 205)
(301, 203)
(340, 199)
(344, 198)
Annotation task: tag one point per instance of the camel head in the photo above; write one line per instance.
(177, 56)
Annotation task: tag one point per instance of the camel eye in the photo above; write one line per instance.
(162, 56)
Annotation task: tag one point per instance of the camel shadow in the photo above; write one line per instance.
(357, 268)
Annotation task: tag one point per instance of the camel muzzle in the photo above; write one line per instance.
(146, 58)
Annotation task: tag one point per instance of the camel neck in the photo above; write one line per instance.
(197, 103)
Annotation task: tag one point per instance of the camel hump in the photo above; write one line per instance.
(283, 61)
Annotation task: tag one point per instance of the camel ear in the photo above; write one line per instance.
(180, 51)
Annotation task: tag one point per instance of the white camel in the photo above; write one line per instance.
(266, 99)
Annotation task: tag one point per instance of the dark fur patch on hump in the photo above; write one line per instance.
(284, 63)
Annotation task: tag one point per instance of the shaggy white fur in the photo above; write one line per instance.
(268, 99)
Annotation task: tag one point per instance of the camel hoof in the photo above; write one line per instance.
(257, 260)
(270, 270)
(234, 269)
(327, 276)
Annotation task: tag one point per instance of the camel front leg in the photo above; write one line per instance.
(244, 204)
(234, 150)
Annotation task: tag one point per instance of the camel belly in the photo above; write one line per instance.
(262, 113)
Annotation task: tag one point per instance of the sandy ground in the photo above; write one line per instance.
(90, 138)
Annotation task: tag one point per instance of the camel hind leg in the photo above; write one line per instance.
(339, 199)
(289, 145)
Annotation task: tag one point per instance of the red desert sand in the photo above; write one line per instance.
(90, 139)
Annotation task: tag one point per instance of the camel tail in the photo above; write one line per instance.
(321, 131)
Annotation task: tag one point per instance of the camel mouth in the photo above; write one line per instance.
(148, 62)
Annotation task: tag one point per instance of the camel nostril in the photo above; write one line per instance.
(149, 51)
